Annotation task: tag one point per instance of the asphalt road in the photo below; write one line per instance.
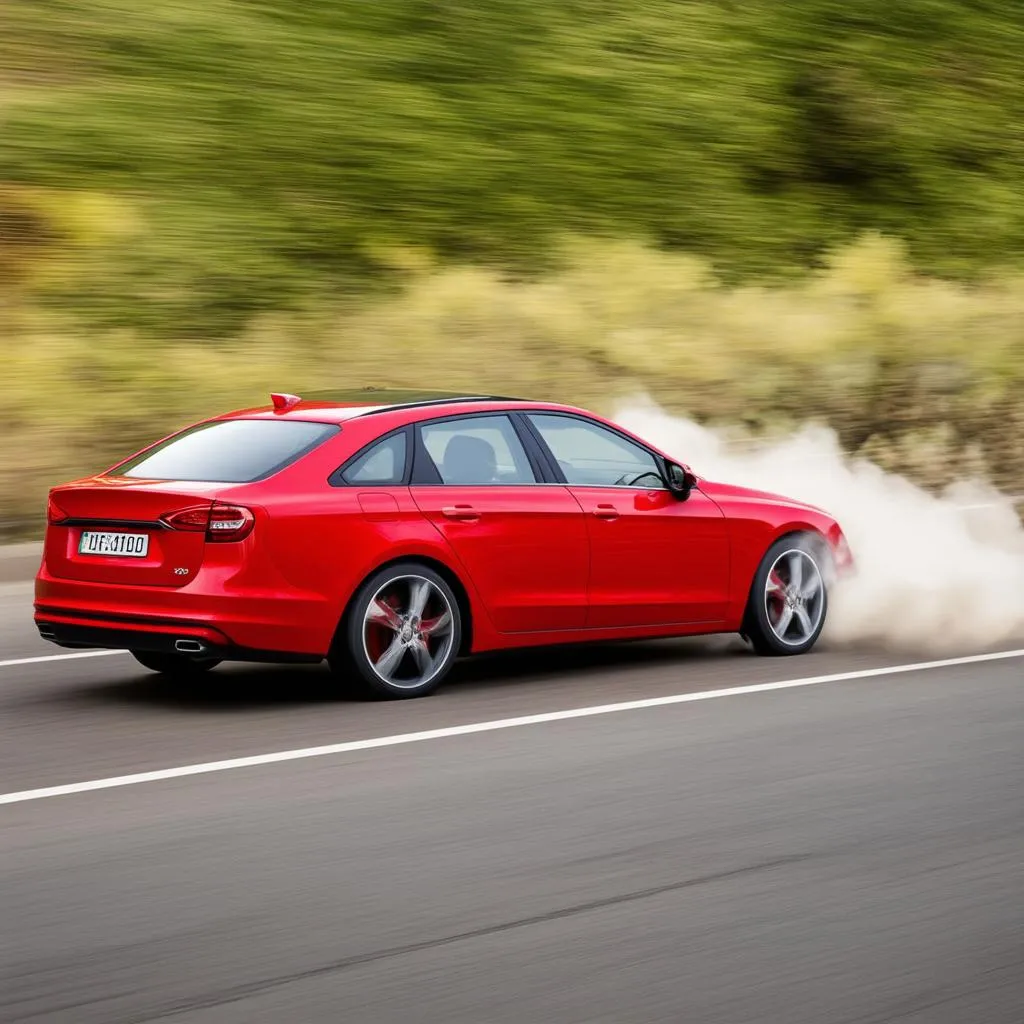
(842, 852)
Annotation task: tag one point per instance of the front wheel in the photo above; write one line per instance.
(401, 635)
(788, 598)
(178, 666)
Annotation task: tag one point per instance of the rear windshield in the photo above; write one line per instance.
(229, 451)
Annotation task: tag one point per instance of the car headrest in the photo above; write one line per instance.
(469, 460)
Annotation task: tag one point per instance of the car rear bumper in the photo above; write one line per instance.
(179, 639)
(238, 625)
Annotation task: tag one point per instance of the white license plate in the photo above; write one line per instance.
(128, 545)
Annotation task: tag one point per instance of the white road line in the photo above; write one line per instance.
(57, 657)
(466, 730)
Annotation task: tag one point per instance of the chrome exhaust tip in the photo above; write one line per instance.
(189, 646)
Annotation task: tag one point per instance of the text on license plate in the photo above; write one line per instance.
(132, 545)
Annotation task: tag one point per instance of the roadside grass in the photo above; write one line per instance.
(924, 376)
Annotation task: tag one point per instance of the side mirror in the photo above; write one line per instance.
(680, 480)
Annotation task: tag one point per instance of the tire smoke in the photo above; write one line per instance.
(940, 572)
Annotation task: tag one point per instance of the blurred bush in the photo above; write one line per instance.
(924, 376)
(262, 154)
(201, 200)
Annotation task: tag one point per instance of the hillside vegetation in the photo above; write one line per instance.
(238, 155)
(842, 345)
(762, 211)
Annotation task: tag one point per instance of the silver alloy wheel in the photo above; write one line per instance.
(408, 631)
(794, 597)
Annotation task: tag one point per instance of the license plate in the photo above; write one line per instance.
(128, 545)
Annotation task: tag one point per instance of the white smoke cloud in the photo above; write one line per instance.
(940, 573)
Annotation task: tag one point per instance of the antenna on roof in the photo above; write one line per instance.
(282, 403)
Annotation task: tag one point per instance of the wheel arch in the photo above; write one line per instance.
(817, 536)
(799, 529)
(445, 571)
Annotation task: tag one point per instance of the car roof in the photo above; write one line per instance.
(338, 406)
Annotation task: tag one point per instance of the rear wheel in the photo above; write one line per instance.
(179, 666)
(401, 635)
(788, 598)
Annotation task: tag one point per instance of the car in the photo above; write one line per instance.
(391, 534)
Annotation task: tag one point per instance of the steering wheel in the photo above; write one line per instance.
(627, 481)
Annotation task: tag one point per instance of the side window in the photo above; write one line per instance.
(477, 450)
(591, 455)
(384, 463)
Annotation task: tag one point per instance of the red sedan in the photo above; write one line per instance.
(392, 536)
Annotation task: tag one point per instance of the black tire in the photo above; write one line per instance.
(762, 629)
(350, 658)
(177, 666)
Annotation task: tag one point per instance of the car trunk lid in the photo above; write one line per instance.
(115, 530)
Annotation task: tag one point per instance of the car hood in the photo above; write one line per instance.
(732, 492)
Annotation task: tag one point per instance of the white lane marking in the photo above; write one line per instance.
(58, 657)
(501, 723)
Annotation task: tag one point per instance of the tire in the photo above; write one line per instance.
(400, 635)
(177, 666)
(782, 618)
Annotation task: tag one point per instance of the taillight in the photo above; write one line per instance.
(55, 515)
(229, 522)
(194, 519)
(218, 522)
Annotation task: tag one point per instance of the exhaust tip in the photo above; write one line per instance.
(189, 646)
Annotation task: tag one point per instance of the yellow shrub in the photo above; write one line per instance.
(919, 373)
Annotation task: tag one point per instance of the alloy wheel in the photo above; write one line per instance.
(794, 597)
(407, 631)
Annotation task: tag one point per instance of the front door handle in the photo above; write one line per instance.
(461, 513)
(606, 512)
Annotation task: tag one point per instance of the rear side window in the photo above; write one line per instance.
(230, 451)
(477, 450)
(384, 463)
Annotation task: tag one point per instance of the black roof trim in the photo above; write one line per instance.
(428, 402)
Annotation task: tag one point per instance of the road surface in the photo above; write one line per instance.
(846, 851)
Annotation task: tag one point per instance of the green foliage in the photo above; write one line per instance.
(270, 154)
(204, 200)
(923, 376)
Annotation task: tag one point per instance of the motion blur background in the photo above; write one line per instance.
(758, 213)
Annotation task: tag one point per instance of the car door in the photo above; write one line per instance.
(655, 559)
(523, 543)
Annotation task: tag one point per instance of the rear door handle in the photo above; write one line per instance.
(462, 513)
(606, 512)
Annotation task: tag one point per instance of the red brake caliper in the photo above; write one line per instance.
(777, 596)
(378, 635)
